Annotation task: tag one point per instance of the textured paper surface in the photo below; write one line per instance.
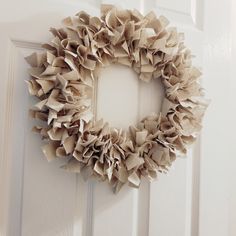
(62, 78)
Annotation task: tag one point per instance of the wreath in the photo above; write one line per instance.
(62, 78)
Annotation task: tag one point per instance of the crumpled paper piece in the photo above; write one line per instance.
(62, 78)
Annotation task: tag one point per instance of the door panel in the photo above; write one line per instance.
(48, 201)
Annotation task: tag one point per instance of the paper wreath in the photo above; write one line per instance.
(62, 78)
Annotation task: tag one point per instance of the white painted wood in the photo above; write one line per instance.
(232, 179)
(217, 189)
(182, 6)
(197, 197)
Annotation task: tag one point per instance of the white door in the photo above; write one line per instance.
(39, 199)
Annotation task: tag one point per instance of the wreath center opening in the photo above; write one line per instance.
(122, 96)
(118, 95)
